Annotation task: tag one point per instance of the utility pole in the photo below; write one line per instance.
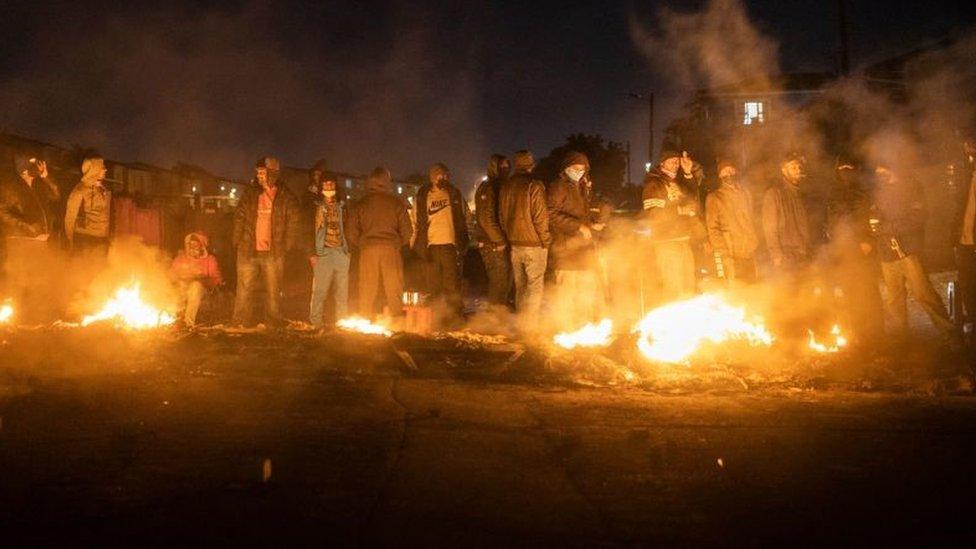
(650, 121)
(628, 163)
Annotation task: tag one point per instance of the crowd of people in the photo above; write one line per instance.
(540, 242)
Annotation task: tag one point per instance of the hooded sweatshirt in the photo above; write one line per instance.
(89, 207)
(489, 231)
(379, 218)
(568, 211)
(187, 268)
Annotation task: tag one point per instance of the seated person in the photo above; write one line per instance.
(195, 271)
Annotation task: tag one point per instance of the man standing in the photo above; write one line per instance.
(491, 240)
(731, 227)
(579, 291)
(784, 217)
(378, 227)
(851, 251)
(88, 214)
(28, 202)
(671, 209)
(901, 229)
(329, 252)
(964, 236)
(266, 225)
(524, 219)
(442, 236)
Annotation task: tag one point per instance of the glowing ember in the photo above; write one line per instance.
(363, 326)
(674, 332)
(127, 310)
(591, 335)
(6, 312)
(839, 341)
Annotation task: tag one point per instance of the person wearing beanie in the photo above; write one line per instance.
(378, 228)
(671, 212)
(731, 227)
(785, 220)
(442, 237)
(267, 223)
(573, 254)
(88, 213)
(28, 199)
(328, 250)
(524, 218)
(492, 244)
(196, 272)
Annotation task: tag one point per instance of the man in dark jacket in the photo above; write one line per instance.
(574, 258)
(524, 218)
(964, 233)
(491, 240)
(267, 224)
(671, 208)
(786, 224)
(378, 226)
(731, 227)
(28, 229)
(442, 236)
(851, 251)
(900, 211)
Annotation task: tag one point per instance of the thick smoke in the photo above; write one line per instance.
(218, 88)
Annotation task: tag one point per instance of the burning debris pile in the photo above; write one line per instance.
(127, 310)
(6, 311)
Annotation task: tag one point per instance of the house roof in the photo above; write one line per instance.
(800, 82)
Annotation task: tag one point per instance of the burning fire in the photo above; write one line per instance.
(673, 333)
(127, 310)
(6, 312)
(591, 335)
(839, 341)
(363, 326)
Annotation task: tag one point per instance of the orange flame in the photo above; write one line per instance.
(127, 310)
(675, 332)
(592, 335)
(363, 326)
(839, 341)
(6, 312)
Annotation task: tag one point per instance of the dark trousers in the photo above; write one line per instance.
(966, 261)
(249, 268)
(443, 275)
(499, 269)
(95, 246)
(380, 263)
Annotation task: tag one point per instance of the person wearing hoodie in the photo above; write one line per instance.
(731, 227)
(267, 223)
(195, 271)
(328, 252)
(671, 205)
(378, 227)
(442, 236)
(88, 214)
(524, 218)
(28, 201)
(491, 240)
(574, 259)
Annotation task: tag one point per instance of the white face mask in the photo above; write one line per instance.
(574, 174)
(328, 194)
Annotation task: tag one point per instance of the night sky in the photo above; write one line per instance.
(365, 83)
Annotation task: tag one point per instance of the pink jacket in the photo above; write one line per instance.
(205, 269)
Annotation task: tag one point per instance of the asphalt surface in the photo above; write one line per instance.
(265, 439)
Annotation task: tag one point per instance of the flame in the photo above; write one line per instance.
(674, 332)
(839, 341)
(591, 335)
(363, 326)
(127, 310)
(6, 312)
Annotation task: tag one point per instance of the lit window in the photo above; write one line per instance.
(349, 183)
(753, 113)
(399, 189)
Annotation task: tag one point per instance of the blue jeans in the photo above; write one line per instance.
(249, 267)
(331, 271)
(529, 270)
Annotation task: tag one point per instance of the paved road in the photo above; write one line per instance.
(153, 440)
